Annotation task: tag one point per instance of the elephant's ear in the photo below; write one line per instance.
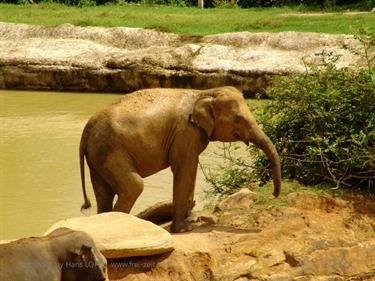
(203, 114)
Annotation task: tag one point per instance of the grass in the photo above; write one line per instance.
(185, 20)
(265, 197)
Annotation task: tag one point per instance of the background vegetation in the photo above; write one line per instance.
(322, 122)
(318, 4)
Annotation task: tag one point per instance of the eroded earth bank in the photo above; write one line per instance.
(72, 58)
(312, 237)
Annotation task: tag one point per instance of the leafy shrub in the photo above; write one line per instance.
(232, 174)
(322, 122)
(262, 3)
(221, 3)
(323, 125)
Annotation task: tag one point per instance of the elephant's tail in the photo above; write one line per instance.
(82, 153)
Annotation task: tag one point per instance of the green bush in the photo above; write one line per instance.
(322, 123)
(232, 173)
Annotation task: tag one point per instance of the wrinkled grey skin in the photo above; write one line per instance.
(150, 130)
(63, 255)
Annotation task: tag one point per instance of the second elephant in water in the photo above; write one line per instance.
(150, 130)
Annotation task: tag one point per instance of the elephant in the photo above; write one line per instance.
(62, 255)
(152, 129)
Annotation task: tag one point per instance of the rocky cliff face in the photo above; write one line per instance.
(72, 58)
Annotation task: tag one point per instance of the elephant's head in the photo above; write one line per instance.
(225, 116)
(78, 255)
(87, 263)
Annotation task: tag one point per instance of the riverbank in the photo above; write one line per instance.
(98, 59)
(306, 236)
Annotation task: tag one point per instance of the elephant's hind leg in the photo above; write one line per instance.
(103, 192)
(126, 183)
(131, 188)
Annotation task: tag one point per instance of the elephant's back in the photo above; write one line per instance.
(149, 105)
(139, 100)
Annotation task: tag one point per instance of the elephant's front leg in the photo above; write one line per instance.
(184, 174)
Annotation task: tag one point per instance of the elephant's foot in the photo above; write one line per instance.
(180, 227)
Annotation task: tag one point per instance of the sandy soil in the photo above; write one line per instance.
(313, 238)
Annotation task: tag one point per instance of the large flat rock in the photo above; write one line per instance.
(120, 235)
(121, 59)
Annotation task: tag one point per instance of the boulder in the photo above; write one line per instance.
(345, 261)
(242, 199)
(120, 235)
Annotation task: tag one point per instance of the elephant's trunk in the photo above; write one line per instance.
(262, 141)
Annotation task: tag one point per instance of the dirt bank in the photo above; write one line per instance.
(315, 237)
(73, 58)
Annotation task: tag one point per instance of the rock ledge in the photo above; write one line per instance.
(72, 58)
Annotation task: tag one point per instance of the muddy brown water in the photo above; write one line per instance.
(39, 167)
